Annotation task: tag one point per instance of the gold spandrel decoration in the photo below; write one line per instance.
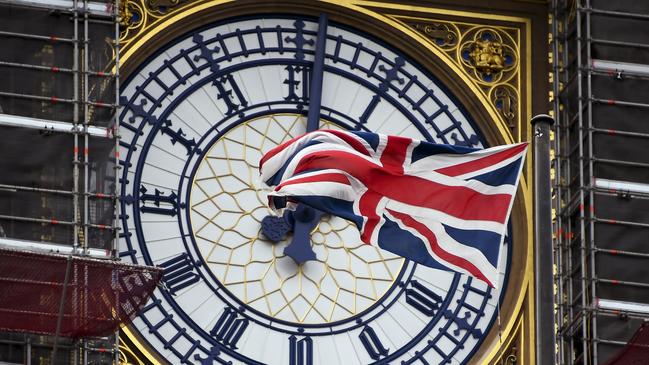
(136, 16)
(511, 348)
(227, 207)
(156, 4)
(449, 25)
(125, 14)
(489, 55)
(512, 358)
(445, 35)
(126, 356)
(505, 98)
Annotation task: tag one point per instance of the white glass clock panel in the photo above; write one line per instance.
(227, 205)
(195, 120)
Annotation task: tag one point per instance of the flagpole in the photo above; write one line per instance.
(543, 272)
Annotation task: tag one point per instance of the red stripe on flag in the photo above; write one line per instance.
(326, 177)
(367, 205)
(457, 201)
(439, 251)
(351, 141)
(394, 154)
(276, 150)
(481, 163)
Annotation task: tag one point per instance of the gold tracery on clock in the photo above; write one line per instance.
(348, 276)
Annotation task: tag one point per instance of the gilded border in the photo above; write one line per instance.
(523, 304)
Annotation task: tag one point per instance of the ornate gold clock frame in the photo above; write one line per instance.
(492, 78)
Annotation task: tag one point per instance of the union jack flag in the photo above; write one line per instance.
(439, 205)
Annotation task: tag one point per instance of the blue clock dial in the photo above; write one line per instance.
(196, 118)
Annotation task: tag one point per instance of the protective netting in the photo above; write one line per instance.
(636, 350)
(100, 295)
(37, 65)
(46, 214)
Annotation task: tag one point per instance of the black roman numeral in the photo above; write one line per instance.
(372, 343)
(391, 75)
(228, 329)
(300, 352)
(179, 273)
(206, 53)
(178, 136)
(298, 89)
(369, 110)
(422, 298)
(213, 356)
(229, 91)
(162, 204)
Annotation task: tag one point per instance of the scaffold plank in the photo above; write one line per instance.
(52, 125)
(95, 8)
(623, 306)
(635, 68)
(631, 187)
(45, 247)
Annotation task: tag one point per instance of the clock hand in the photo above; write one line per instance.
(315, 94)
(305, 217)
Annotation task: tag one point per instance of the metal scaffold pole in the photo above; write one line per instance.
(70, 206)
(544, 303)
(601, 70)
(116, 136)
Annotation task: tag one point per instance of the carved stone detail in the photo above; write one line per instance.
(128, 357)
(136, 16)
(487, 56)
(505, 99)
(444, 35)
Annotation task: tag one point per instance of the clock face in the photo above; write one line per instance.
(196, 119)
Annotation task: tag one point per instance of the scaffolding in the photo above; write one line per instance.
(59, 181)
(600, 95)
